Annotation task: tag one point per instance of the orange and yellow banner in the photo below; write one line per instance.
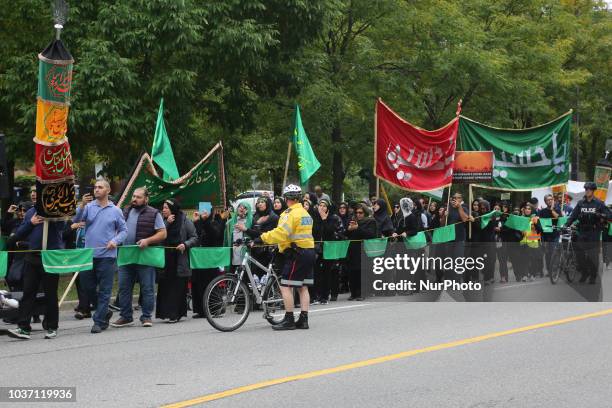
(51, 122)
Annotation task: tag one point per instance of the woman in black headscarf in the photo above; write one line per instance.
(383, 221)
(264, 220)
(279, 206)
(172, 288)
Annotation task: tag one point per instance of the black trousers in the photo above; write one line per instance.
(326, 278)
(587, 255)
(33, 276)
(355, 282)
(502, 258)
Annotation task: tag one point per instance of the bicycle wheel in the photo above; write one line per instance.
(272, 301)
(570, 266)
(556, 261)
(224, 311)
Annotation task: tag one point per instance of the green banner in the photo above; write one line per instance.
(206, 258)
(202, 183)
(133, 255)
(375, 247)
(547, 225)
(525, 159)
(67, 260)
(518, 222)
(3, 264)
(443, 234)
(416, 242)
(486, 218)
(335, 249)
(54, 82)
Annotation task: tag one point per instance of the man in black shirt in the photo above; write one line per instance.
(458, 215)
(549, 239)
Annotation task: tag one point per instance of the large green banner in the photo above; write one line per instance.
(524, 159)
(204, 182)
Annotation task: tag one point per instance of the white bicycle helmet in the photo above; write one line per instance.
(292, 192)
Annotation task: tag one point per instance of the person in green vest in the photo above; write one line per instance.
(531, 243)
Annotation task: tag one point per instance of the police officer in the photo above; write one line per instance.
(295, 242)
(592, 215)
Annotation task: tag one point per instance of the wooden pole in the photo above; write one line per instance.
(68, 289)
(45, 236)
(377, 188)
(287, 165)
(470, 211)
(389, 208)
(448, 204)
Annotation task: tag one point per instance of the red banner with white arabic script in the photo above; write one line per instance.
(412, 158)
(53, 163)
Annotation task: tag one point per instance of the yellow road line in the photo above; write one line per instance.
(382, 359)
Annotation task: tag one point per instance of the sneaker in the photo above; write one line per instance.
(19, 333)
(315, 302)
(359, 299)
(524, 279)
(108, 316)
(51, 334)
(147, 323)
(121, 322)
(323, 302)
(170, 321)
(351, 298)
(197, 316)
(95, 329)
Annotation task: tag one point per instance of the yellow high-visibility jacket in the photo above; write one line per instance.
(294, 226)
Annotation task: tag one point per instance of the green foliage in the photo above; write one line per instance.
(232, 71)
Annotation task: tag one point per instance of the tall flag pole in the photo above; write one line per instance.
(55, 198)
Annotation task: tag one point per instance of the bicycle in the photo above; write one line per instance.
(228, 300)
(565, 257)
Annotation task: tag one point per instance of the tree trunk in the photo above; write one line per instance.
(337, 166)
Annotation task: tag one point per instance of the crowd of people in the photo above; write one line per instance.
(101, 225)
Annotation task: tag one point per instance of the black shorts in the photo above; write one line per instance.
(298, 269)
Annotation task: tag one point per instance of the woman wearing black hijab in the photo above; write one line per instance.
(172, 288)
(383, 221)
(279, 206)
(264, 220)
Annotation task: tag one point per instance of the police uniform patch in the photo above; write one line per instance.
(306, 221)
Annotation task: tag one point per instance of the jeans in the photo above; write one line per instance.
(99, 285)
(33, 275)
(145, 275)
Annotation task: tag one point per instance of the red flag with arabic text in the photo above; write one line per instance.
(412, 158)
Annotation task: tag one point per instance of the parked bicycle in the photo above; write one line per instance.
(564, 256)
(228, 300)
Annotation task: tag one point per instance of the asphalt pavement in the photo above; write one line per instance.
(563, 364)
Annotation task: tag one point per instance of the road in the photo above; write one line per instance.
(563, 364)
